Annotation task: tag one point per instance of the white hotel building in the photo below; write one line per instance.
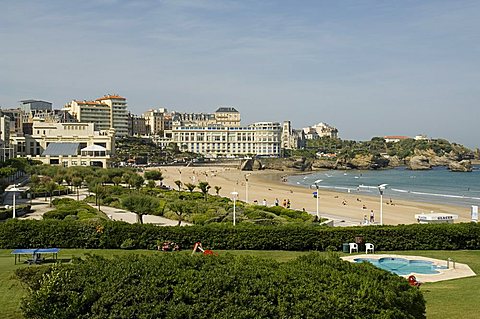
(109, 111)
(261, 139)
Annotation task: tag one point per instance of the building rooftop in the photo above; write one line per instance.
(91, 103)
(31, 101)
(226, 110)
(111, 97)
(65, 149)
(94, 148)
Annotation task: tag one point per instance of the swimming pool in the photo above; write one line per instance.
(403, 266)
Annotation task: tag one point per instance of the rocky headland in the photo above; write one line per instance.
(420, 160)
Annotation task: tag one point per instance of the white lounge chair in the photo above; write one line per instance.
(353, 246)
(369, 246)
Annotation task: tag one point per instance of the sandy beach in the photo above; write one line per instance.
(268, 185)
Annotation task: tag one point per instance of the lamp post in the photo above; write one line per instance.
(246, 188)
(14, 189)
(234, 194)
(381, 189)
(318, 181)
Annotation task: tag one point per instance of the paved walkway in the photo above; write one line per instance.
(41, 206)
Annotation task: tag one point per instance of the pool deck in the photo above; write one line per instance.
(460, 270)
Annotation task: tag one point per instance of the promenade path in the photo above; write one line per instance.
(41, 206)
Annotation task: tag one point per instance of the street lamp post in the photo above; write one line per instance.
(14, 189)
(234, 194)
(318, 181)
(246, 188)
(381, 189)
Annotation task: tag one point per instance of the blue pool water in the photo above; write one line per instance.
(403, 266)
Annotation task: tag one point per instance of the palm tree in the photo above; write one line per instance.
(217, 189)
(204, 187)
(179, 184)
(190, 187)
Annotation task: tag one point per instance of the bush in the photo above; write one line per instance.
(183, 286)
(69, 207)
(111, 234)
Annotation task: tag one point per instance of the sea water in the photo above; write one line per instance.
(438, 185)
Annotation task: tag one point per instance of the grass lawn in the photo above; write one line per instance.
(447, 299)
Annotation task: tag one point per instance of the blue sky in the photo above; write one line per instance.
(370, 68)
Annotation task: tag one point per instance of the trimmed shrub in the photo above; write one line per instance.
(111, 234)
(183, 286)
(67, 207)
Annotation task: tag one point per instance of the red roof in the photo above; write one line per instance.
(111, 97)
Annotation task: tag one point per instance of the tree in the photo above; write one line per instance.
(77, 182)
(181, 208)
(204, 187)
(190, 186)
(126, 178)
(179, 184)
(50, 187)
(117, 180)
(99, 191)
(136, 181)
(153, 175)
(58, 178)
(151, 184)
(217, 189)
(68, 179)
(140, 205)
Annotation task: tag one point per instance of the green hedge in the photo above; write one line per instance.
(69, 207)
(110, 234)
(183, 286)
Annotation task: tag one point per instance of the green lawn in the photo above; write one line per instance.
(447, 299)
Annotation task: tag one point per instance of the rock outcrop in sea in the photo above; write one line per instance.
(421, 160)
(462, 166)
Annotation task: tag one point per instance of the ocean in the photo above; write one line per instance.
(438, 185)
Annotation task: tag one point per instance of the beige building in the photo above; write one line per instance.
(320, 130)
(5, 151)
(291, 138)
(155, 120)
(66, 144)
(261, 139)
(227, 116)
(118, 113)
(106, 112)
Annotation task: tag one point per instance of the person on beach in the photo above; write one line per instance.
(372, 217)
(276, 202)
(284, 203)
(288, 203)
(264, 203)
(365, 221)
